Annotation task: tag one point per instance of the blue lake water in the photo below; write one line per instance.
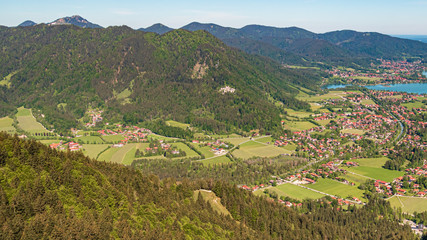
(425, 74)
(419, 88)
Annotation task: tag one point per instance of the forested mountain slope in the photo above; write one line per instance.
(137, 76)
(46, 193)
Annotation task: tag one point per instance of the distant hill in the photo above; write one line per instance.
(27, 23)
(74, 20)
(46, 194)
(157, 28)
(138, 76)
(342, 47)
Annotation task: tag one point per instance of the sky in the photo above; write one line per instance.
(385, 16)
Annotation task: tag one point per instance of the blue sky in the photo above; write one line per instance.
(385, 16)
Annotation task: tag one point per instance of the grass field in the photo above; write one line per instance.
(254, 149)
(299, 126)
(218, 160)
(298, 114)
(367, 102)
(336, 188)
(264, 139)
(235, 141)
(296, 192)
(355, 178)
(353, 131)
(113, 138)
(92, 150)
(177, 124)
(290, 147)
(409, 204)
(315, 106)
(204, 150)
(372, 167)
(372, 162)
(107, 155)
(324, 122)
(90, 140)
(186, 149)
(213, 200)
(330, 95)
(6, 125)
(28, 123)
(414, 105)
(120, 154)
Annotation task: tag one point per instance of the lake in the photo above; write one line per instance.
(419, 88)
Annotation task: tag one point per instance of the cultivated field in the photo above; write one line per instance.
(254, 149)
(6, 125)
(336, 188)
(299, 126)
(89, 140)
(372, 167)
(92, 150)
(28, 123)
(113, 138)
(353, 131)
(330, 95)
(296, 192)
(409, 204)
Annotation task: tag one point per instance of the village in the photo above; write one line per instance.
(385, 72)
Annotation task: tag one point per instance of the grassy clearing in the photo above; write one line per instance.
(299, 126)
(218, 160)
(410, 204)
(177, 124)
(92, 150)
(113, 138)
(353, 131)
(6, 80)
(254, 149)
(28, 122)
(90, 140)
(336, 188)
(6, 125)
(296, 192)
(213, 200)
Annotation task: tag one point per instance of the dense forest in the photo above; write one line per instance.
(136, 76)
(46, 193)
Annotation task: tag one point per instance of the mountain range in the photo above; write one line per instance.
(295, 45)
